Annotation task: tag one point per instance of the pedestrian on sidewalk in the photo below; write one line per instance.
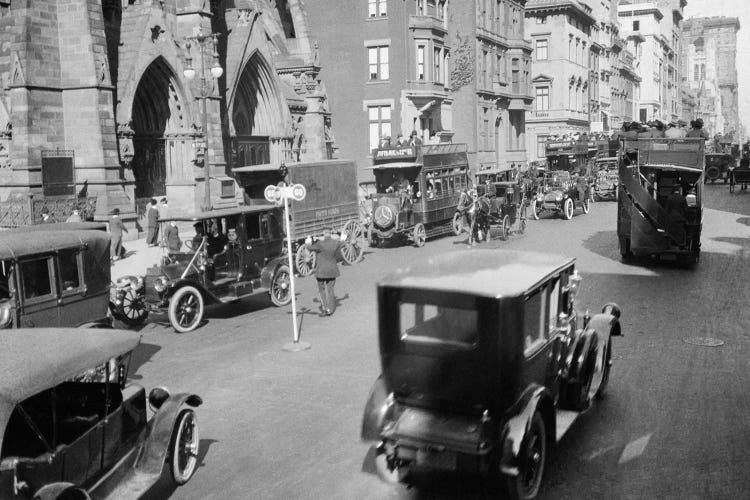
(116, 227)
(327, 269)
(174, 243)
(152, 216)
(46, 219)
(163, 214)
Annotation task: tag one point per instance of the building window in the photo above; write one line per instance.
(515, 76)
(542, 98)
(541, 20)
(441, 10)
(541, 146)
(378, 61)
(380, 124)
(697, 73)
(541, 49)
(703, 71)
(636, 25)
(420, 62)
(438, 66)
(485, 63)
(377, 8)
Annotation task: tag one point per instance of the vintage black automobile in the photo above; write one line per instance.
(719, 166)
(55, 275)
(236, 252)
(485, 364)
(607, 179)
(561, 194)
(73, 427)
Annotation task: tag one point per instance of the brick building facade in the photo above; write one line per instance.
(103, 81)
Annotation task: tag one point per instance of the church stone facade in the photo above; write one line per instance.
(101, 82)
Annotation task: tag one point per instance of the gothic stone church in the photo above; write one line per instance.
(102, 83)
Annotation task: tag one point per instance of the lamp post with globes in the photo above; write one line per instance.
(205, 91)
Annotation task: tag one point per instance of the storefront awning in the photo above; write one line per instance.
(264, 167)
(395, 164)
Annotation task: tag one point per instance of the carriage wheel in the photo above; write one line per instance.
(534, 210)
(304, 261)
(458, 224)
(586, 206)
(505, 228)
(419, 235)
(354, 245)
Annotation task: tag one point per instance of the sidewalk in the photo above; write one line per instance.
(138, 257)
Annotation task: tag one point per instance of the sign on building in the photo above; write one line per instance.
(58, 173)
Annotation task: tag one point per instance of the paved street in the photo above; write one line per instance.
(286, 425)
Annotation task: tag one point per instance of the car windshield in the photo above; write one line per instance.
(438, 324)
(5, 270)
(558, 179)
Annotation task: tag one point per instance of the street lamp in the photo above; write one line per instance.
(216, 71)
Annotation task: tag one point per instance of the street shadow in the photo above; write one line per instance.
(165, 487)
(606, 244)
(743, 220)
(141, 355)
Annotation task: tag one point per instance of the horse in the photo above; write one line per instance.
(475, 209)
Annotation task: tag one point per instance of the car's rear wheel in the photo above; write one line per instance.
(281, 286)
(183, 448)
(531, 462)
(304, 261)
(605, 375)
(568, 208)
(186, 309)
(72, 493)
(390, 469)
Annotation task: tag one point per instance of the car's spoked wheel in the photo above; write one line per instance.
(568, 209)
(353, 247)
(281, 286)
(420, 235)
(304, 261)
(531, 462)
(132, 311)
(391, 470)
(186, 309)
(586, 206)
(183, 451)
(458, 224)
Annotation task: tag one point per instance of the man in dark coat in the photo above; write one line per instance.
(327, 269)
(173, 237)
(116, 227)
(676, 205)
(152, 215)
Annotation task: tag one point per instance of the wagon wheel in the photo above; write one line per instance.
(354, 244)
(419, 235)
(132, 311)
(586, 206)
(458, 224)
(505, 228)
(304, 261)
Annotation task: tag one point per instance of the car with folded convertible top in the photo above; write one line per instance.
(485, 364)
(72, 426)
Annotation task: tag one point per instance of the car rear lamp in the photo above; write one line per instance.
(160, 284)
(575, 283)
(5, 314)
(691, 200)
(157, 397)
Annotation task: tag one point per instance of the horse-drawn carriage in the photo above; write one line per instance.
(494, 204)
(332, 201)
(417, 191)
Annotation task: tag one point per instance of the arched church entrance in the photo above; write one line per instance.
(161, 141)
(258, 117)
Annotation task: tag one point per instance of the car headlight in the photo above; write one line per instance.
(157, 397)
(540, 197)
(160, 284)
(558, 196)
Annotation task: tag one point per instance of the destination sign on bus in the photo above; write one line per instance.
(395, 153)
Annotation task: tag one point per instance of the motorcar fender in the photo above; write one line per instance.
(376, 411)
(266, 274)
(583, 342)
(208, 297)
(53, 491)
(536, 397)
(159, 432)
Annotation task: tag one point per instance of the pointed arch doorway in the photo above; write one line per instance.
(257, 116)
(161, 142)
